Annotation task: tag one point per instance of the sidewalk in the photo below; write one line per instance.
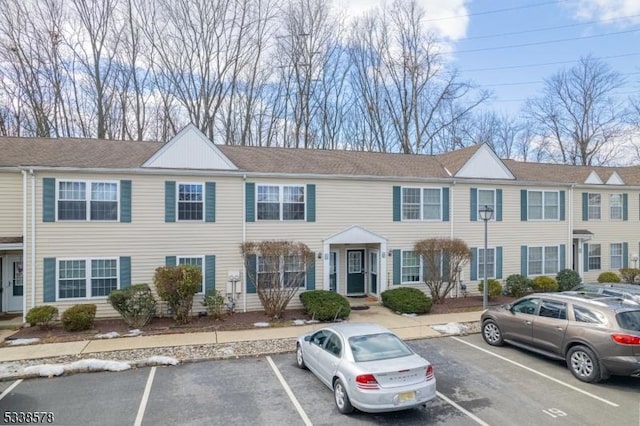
(406, 327)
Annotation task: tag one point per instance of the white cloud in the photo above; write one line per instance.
(622, 11)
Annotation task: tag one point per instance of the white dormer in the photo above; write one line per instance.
(593, 178)
(484, 163)
(615, 179)
(190, 149)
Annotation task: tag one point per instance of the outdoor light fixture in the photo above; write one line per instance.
(486, 213)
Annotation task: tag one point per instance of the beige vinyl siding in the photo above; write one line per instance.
(11, 199)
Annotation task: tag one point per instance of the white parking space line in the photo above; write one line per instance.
(145, 397)
(289, 392)
(10, 388)
(462, 409)
(553, 379)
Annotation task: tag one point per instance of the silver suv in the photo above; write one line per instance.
(597, 336)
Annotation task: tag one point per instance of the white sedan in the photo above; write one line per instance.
(367, 367)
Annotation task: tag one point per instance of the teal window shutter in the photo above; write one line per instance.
(170, 261)
(625, 206)
(523, 205)
(311, 273)
(498, 205)
(397, 267)
(397, 204)
(125, 271)
(625, 255)
(474, 264)
(524, 260)
(474, 204)
(49, 200)
(250, 202)
(169, 201)
(585, 206)
(445, 204)
(311, 202)
(210, 201)
(585, 255)
(252, 267)
(49, 280)
(209, 273)
(563, 256)
(125, 201)
(562, 206)
(499, 263)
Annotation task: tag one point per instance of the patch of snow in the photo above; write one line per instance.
(45, 370)
(16, 342)
(109, 335)
(312, 321)
(162, 360)
(50, 370)
(409, 315)
(133, 333)
(261, 324)
(299, 322)
(451, 328)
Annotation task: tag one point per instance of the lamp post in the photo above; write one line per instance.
(486, 213)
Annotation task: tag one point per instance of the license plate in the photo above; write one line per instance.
(406, 396)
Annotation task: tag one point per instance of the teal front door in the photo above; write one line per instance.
(373, 267)
(355, 271)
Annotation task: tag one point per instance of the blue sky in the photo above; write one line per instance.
(511, 47)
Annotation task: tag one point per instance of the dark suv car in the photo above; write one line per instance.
(597, 336)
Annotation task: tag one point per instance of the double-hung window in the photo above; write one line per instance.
(616, 255)
(421, 203)
(594, 206)
(190, 201)
(543, 205)
(276, 202)
(594, 256)
(543, 260)
(411, 267)
(195, 261)
(276, 272)
(491, 262)
(87, 278)
(81, 200)
(615, 206)
(487, 197)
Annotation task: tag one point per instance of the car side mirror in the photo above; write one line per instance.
(508, 307)
(307, 338)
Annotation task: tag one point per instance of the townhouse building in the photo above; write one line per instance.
(79, 218)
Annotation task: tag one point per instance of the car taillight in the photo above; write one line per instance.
(625, 339)
(429, 375)
(367, 381)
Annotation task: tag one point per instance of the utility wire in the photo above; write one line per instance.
(490, 12)
(544, 64)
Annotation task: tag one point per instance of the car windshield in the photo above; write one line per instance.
(374, 347)
(629, 320)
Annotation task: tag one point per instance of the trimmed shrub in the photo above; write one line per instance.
(325, 305)
(608, 277)
(517, 285)
(79, 317)
(42, 316)
(630, 275)
(214, 302)
(495, 288)
(406, 300)
(177, 285)
(136, 304)
(544, 284)
(567, 279)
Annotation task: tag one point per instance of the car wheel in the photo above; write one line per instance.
(300, 357)
(492, 333)
(584, 364)
(341, 398)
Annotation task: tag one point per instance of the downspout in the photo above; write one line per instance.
(244, 238)
(570, 224)
(24, 237)
(451, 209)
(33, 241)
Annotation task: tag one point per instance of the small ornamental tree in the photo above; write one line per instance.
(278, 270)
(443, 260)
(177, 285)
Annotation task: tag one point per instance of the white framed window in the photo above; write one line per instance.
(190, 201)
(86, 278)
(87, 200)
(411, 267)
(594, 257)
(487, 197)
(616, 255)
(615, 206)
(543, 205)
(594, 206)
(195, 261)
(280, 202)
(284, 271)
(491, 263)
(543, 260)
(421, 203)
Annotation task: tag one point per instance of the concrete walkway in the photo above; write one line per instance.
(406, 327)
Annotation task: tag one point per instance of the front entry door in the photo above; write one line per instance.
(13, 283)
(355, 271)
(373, 267)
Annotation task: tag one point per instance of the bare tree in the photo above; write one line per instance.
(443, 260)
(578, 116)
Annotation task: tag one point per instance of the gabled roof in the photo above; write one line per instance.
(593, 178)
(455, 160)
(561, 173)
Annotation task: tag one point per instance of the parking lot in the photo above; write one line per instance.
(477, 384)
